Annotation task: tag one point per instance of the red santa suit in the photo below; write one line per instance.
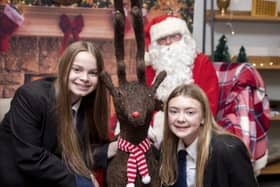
(203, 74)
(182, 63)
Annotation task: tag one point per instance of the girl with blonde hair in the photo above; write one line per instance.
(196, 152)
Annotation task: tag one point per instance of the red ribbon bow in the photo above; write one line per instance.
(69, 27)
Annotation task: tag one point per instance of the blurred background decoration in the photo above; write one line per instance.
(264, 8)
(72, 3)
(181, 8)
(223, 6)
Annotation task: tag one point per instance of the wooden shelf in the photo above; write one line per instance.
(43, 21)
(271, 169)
(260, 62)
(276, 118)
(263, 62)
(241, 16)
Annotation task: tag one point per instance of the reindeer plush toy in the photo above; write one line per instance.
(134, 165)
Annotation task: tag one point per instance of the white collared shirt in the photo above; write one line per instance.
(191, 160)
(76, 107)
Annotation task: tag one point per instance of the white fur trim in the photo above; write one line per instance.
(13, 15)
(117, 128)
(130, 185)
(153, 137)
(146, 179)
(168, 26)
(147, 58)
(157, 130)
(260, 164)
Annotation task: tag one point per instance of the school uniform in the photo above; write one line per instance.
(29, 151)
(228, 166)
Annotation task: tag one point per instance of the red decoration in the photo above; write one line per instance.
(69, 27)
(99, 175)
(10, 20)
(137, 162)
(127, 21)
(135, 114)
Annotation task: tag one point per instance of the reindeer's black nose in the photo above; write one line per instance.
(135, 114)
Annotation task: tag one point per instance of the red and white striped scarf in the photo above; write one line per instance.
(136, 160)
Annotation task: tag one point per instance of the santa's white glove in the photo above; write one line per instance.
(155, 133)
(112, 149)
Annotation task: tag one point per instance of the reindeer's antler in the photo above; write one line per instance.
(119, 40)
(139, 35)
(134, 96)
(119, 24)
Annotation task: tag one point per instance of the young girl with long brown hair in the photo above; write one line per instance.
(56, 132)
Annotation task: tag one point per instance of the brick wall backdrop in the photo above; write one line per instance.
(39, 55)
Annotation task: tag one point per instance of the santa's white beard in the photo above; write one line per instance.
(177, 60)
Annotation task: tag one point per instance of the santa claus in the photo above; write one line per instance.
(171, 47)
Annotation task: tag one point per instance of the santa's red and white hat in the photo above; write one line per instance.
(162, 26)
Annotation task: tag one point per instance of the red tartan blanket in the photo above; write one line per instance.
(243, 107)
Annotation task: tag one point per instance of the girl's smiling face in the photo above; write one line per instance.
(83, 76)
(185, 118)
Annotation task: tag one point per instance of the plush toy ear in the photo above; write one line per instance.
(158, 80)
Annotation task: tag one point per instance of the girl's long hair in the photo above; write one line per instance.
(76, 152)
(169, 161)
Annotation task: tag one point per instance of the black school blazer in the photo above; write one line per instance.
(28, 141)
(229, 164)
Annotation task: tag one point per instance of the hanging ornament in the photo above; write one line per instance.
(10, 21)
(69, 28)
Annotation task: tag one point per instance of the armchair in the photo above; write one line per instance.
(4, 107)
